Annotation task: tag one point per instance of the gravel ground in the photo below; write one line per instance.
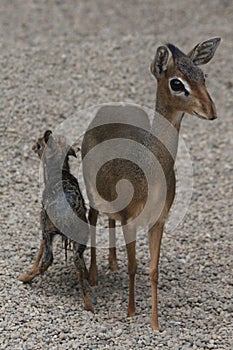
(58, 57)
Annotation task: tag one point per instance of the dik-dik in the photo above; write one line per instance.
(180, 89)
(58, 181)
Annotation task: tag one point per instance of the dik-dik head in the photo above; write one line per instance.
(56, 148)
(181, 83)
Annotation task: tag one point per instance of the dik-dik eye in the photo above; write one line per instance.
(177, 86)
(38, 146)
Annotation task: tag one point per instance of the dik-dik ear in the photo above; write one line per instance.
(203, 52)
(159, 64)
(47, 135)
(65, 147)
(71, 152)
(49, 140)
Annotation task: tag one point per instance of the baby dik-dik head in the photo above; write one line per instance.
(181, 83)
(48, 147)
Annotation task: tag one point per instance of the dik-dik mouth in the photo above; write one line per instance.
(202, 117)
(199, 115)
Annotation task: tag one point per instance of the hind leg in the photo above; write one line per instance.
(47, 259)
(81, 270)
(93, 272)
(112, 246)
(35, 270)
(46, 254)
(45, 250)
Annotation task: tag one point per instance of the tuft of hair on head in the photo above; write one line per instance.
(176, 53)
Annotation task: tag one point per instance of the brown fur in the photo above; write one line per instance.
(172, 107)
(56, 152)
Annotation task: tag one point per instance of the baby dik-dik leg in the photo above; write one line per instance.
(112, 245)
(47, 259)
(45, 251)
(81, 271)
(155, 237)
(35, 270)
(93, 272)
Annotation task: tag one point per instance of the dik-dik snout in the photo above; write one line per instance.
(205, 107)
(192, 98)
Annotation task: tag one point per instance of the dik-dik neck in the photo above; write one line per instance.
(54, 169)
(168, 112)
(166, 125)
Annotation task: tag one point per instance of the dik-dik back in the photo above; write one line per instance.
(125, 134)
(62, 197)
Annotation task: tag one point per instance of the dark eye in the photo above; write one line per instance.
(177, 85)
(39, 147)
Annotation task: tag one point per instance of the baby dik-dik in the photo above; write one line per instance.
(180, 89)
(60, 183)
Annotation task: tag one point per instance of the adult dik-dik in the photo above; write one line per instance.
(180, 89)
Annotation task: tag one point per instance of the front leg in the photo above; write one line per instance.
(155, 237)
(81, 271)
(93, 272)
(130, 239)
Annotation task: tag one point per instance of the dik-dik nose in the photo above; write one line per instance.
(213, 112)
(213, 117)
(207, 106)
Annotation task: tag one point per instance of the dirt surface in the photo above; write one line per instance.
(57, 57)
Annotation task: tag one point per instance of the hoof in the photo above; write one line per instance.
(88, 305)
(93, 282)
(131, 313)
(155, 327)
(113, 266)
(93, 278)
(25, 278)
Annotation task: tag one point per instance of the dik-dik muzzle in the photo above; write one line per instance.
(206, 107)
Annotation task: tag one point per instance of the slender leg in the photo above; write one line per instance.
(155, 237)
(34, 271)
(112, 246)
(47, 259)
(80, 269)
(86, 273)
(93, 272)
(130, 234)
(45, 250)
